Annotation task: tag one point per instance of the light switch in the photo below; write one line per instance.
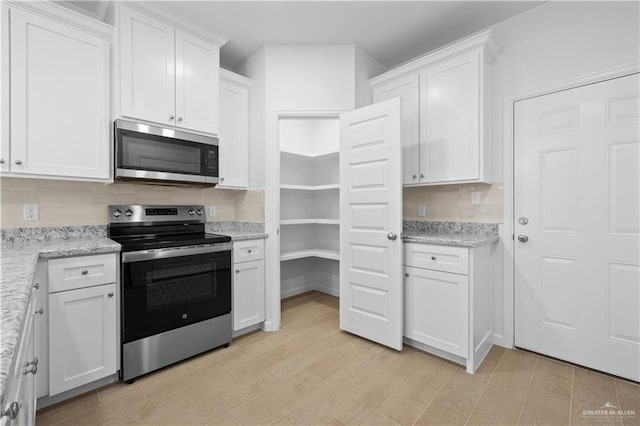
(422, 210)
(212, 211)
(475, 198)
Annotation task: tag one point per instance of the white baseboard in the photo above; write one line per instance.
(331, 291)
(295, 291)
(498, 339)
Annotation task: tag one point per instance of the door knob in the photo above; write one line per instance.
(523, 238)
(392, 236)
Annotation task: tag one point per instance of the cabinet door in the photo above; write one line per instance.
(234, 136)
(197, 83)
(449, 120)
(248, 294)
(59, 99)
(4, 89)
(405, 88)
(82, 336)
(437, 309)
(147, 68)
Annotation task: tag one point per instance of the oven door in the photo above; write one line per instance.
(170, 288)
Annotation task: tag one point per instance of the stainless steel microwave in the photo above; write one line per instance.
(166, 156)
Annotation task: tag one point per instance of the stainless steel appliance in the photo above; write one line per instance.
(160, 155)
(175, 282)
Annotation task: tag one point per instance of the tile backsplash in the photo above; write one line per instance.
(452, 203)
(72, 203)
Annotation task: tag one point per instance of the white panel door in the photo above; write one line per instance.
(248, 294)
(234, 135)
(197, 83)
(59, 99)
(449, 120)
(147, 68)
(577, 184)
(371, 292)
(82, 336)
(405, 88)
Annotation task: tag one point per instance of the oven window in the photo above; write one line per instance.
(159, 154)
(164, 294)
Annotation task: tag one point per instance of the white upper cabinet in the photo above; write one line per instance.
(234, 130)
(147, 68)
(445, 112)
(449, 121)
(405, 88)
(59, 87)
(166, 75)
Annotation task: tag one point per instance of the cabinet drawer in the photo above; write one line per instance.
(437, 258)
(84, 271)
(245, 251)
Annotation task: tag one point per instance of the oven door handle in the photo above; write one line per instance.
(164, 253)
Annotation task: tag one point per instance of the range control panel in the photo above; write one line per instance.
(141, 213)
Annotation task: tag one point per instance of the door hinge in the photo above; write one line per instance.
(513, 237)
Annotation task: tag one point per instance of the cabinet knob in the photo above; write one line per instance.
(36, 286)
(433, 258)
(12, 410)
(249, 251)
(85, 272)
(110, 295)
(415, 176)
(39, 311)
(237, 271)
(179, 118)
(18, 162)
(421, 175)
(221, 179)
(406, 274)
(33, 369)
(171, 117)
(1, 160)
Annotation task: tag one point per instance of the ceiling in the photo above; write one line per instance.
(390, 31)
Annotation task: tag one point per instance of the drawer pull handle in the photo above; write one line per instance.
(39, 311)
(110, 294)
(85, 272)
(12, 411)
(36, 286)
(433, 258)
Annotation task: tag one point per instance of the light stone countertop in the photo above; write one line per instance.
(241, 236)
(449, 239)
(17, 268)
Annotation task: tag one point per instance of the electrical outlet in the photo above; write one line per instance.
(212, 211)
(30, 211)
(422, 210)
(475, 198)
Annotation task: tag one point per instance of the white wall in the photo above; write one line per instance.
(554, 43)
(366, 67)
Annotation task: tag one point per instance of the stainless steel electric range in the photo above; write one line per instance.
(175, 282)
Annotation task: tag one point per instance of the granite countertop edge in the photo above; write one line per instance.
(446, 239)
(17, 265)
(241, 236)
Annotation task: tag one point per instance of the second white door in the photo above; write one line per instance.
(577, 227)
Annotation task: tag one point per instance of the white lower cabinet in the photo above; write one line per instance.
(19, 402)
(248, 284)
(83, 341)
(438, 313)
(449, 313)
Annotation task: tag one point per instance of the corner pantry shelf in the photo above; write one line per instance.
(295, 157)
(325, 254)
(303, 221)
(311, 187)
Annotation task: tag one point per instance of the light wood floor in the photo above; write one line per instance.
(312, 373)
